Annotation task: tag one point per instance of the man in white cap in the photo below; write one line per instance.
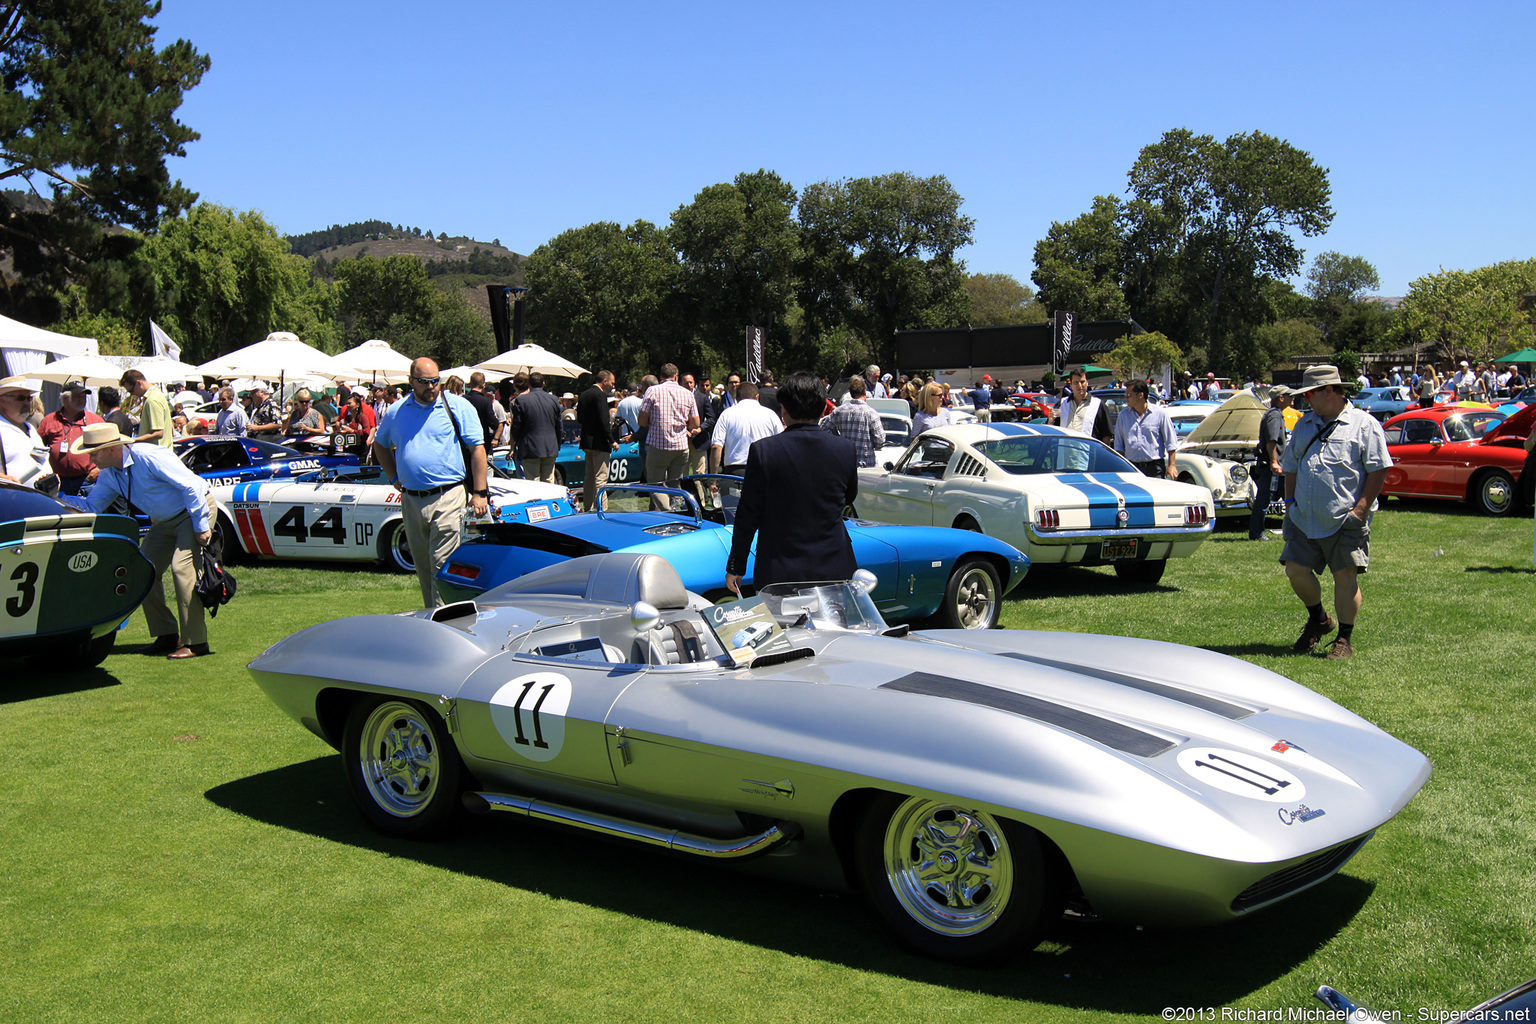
(1335, 466)
(153, 479)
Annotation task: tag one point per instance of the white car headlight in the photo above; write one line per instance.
(1239, 474)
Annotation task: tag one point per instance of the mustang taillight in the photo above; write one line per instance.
(1048, 519)
(459, 569)
(1196, 515)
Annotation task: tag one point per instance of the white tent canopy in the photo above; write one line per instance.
(527, 359)
(15, 334)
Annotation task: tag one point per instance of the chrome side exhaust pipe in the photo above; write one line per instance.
(740, 848)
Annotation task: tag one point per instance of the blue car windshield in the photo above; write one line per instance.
(1053, 453)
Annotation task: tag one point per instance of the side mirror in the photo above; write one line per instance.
(864, 580)
(890, 466)
(644, 617)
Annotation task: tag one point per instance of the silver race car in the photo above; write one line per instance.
(972, 783)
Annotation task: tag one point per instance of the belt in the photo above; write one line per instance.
(428, 493)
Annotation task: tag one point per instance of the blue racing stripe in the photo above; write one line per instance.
(1103, 502)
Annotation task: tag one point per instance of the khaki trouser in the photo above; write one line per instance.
(539, 469)
(432, 529)
(665, 467)
(596, 476)
(172, 544)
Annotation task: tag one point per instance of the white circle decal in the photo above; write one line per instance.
(529, 713)
(1241, 774)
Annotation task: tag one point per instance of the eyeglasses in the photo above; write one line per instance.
(429, 381)
(301, 401)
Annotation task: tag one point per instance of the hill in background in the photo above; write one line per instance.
(456, 263)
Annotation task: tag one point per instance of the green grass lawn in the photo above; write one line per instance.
(174, 848)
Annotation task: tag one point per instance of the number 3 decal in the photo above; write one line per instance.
(26, 590)
(529, 713)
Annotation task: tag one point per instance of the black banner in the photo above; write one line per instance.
(755, 354)
(1061, 340)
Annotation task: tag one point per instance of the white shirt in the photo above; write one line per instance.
(740, 425)
(26, 457)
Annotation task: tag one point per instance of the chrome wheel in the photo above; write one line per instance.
(1496, 493)
(955, 882)
(948, 867)
(400, 759)
(971, 600)
(402, 766)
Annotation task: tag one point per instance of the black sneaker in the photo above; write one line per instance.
(1313, 632)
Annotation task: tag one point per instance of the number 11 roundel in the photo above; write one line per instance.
(529, 713)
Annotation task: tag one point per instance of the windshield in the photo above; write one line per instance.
(1471, 425)
(843, 607)
(1053, 453)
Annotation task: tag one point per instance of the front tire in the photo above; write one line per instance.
(402, 767)
(394, 549)
(973, 597)
(954, 882)
(1145, 573)
(1494, 493)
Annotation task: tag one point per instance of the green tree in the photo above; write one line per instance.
(878, 255)
(225, 280)
(1079, 264)
(1284, 341)
(1139, 356)
(1210, 223)
(998, 300)
(1471, 315)
(604, 296)
(1338, 283)
(738, 245)
(88, 113)
(394, 299)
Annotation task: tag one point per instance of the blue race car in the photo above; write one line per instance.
(229, 460)
(68, 579)
(922, 570)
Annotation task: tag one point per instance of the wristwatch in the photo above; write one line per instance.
(482, 494)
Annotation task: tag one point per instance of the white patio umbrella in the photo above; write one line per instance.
(461, 372)
(281, 355)
(161, 369)
(374, 360)
(527, 359)
(93, 371)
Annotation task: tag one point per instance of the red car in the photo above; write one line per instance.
(1446, 452)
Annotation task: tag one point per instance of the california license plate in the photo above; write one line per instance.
(1116, 549)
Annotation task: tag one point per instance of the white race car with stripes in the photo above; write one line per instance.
(1055, 494)
(351, 514)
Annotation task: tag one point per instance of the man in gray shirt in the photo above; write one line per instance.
(1144, 434)
(1335, 466)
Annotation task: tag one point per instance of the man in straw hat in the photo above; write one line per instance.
(180, 514)
(1335, 466)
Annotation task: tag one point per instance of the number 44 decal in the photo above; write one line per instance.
(327, 524)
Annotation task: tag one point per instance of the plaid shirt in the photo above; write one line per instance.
(670, 406)
(860, 424)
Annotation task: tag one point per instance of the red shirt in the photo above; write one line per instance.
(363, 424)
(58, 434)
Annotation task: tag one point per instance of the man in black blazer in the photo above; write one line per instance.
(597, 440)
(792, 497)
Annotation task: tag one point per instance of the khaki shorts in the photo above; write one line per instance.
(1349, 548)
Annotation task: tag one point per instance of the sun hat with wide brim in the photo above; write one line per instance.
(18, 383)
(1322, 376)
(97, 436)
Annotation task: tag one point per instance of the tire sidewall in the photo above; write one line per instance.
(949, 612)
(442, 811)
(397, 560)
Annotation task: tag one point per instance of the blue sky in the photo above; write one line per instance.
(517, 121)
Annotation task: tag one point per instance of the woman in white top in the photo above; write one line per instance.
(932, 414)
(23, 455)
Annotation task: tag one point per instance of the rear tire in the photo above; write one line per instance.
(226, 542)
(394, 549)
(1145, 573)
(88, 652)
(1493, 492)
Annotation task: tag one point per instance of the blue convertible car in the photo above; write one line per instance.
(958, 575)
(68, 578)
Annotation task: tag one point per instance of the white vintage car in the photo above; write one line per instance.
(350, 514)
(1055, 494)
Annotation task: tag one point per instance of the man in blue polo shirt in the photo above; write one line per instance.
(420, 445)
